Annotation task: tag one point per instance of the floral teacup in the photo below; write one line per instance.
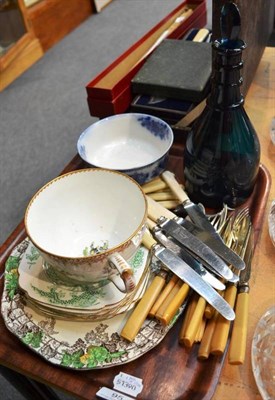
(87, 224)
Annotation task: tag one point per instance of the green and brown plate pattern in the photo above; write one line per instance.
(80, 346)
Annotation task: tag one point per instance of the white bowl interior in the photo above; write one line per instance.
(125, 141)
(77, 209)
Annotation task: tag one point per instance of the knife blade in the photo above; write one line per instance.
(219, 247)
(235, 276)
(198, 248)
(158, 213)
(189, 276)
(191, 261)
(205, 230)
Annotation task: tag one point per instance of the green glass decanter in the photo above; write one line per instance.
(222, 154)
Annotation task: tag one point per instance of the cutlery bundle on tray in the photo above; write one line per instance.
(204, 264)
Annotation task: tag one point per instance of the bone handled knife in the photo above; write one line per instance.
(220, 336)
(141, 311)
(223, 251)
(188, 275)
(196, 247)
(212, 238)
(183, 254)
(237, 347)
(191, 261)
(156, 212)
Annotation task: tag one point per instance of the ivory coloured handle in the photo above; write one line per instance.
(151, 224)
(174, 185)
(188, 315)
(154, 185)
(155, 210)
(148, 240)
(239, 333)
(204, 349)
(221, 333)
(194, 323)
(163, 295)
(174, 305)
(162, 196)
(138, 316)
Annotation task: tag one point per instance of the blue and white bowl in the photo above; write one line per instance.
(132, 143)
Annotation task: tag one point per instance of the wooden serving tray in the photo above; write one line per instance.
(168, 370)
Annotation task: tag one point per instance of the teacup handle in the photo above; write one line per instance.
(126, 282)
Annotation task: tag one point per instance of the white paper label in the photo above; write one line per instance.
(109, 394)
(128, 384)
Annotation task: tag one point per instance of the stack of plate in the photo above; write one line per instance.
(64, 341)
(44, 291)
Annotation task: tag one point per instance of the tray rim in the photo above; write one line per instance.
(214, 368)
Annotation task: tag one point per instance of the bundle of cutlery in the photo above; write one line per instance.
(203, 266)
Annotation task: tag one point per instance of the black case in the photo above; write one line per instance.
(178, 69)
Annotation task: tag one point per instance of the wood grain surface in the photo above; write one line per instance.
(238, 381)
(53, 20)
(170, 370)
(257, 22)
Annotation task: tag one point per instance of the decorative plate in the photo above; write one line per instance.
(43, 288)
(80, 346)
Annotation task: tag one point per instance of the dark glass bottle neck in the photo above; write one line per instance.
(226, 79)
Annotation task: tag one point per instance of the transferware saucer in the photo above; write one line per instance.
(75, 345)
(42, 287)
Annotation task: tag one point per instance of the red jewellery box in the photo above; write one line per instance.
(110, 92)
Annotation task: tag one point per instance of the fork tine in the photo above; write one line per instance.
(223, 220)
(241, 219)
(243, 213)
(218, 218)
(227, 231)
(215, 220)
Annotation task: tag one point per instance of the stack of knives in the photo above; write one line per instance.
(193, 252)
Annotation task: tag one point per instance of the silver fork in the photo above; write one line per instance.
(219, 219)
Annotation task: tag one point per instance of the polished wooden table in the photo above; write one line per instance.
(233, 381)
(238, 381)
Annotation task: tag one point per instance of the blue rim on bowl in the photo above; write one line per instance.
(134, 143)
